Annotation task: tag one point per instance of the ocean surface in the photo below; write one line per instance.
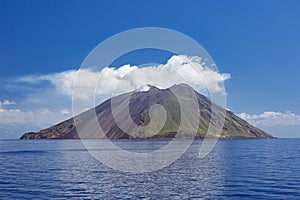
(235, 169)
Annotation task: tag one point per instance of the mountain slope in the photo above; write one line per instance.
(143, 125)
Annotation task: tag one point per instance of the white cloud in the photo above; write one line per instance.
(40, 118)
(272, 118)
(112, 81)
(6, 102)
(15, 121)
(64, 111)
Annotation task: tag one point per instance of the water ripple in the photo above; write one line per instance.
(235, 169)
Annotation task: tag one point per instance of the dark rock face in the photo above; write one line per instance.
(139, 108)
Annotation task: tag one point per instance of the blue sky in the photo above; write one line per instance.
(256, 42)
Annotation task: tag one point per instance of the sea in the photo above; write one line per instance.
(234, 169)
